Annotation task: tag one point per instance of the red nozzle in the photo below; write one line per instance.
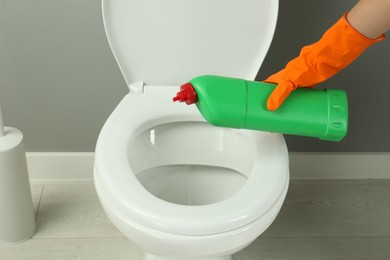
(187, 94)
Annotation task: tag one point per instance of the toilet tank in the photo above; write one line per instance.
(168, 42)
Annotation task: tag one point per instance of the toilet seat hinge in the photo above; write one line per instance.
(137, 87)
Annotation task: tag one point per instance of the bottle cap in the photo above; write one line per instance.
(186, 94)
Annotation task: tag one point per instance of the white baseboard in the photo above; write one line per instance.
(340, 165)
(79, 166)
(60, 166)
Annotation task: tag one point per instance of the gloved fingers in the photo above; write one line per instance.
(275, 78)
(279, 94)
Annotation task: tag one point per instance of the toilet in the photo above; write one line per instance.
(176, 186)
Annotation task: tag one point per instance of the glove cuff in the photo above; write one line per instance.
(349, 28)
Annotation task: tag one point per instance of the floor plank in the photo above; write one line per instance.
(334, 209)
(73, 212)
(320, 220)
(36, 192)
(65, 249)
(317, 249)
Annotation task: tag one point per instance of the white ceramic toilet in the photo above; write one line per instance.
(176, 186)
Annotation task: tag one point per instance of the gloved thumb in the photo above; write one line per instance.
(279, 94)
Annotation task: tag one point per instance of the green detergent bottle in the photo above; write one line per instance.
(238, 103)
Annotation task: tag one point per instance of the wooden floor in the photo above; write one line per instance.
(343, 220)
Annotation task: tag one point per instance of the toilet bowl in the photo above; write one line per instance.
(176, 186)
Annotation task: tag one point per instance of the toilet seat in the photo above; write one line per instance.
(130, 200)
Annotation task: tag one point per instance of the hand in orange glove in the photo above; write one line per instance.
(337, 48)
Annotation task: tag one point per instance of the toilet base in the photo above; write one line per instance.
(148, 256)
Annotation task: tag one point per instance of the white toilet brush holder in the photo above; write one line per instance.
(17, 217)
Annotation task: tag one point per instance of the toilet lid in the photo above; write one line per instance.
(169, 42)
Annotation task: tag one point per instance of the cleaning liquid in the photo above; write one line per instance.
(238, 103)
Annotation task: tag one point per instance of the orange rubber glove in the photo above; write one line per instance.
(337, 48)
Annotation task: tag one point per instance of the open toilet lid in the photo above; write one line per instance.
(168, 42)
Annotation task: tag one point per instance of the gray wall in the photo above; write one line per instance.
(366, 81)
(59, 80)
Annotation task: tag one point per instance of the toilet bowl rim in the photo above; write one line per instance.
(168, 235)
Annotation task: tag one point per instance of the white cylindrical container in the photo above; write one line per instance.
(17, 217)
